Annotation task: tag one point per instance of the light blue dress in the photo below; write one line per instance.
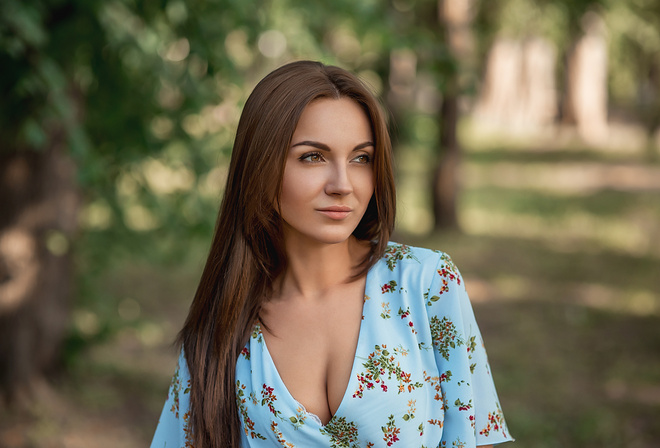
(420, 377)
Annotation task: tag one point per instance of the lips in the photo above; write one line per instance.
(336, 212)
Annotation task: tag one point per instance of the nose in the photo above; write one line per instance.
(338, 182)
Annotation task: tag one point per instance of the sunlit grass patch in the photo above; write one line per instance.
(567, 178)
(560, 251)
(572, 232)
(604, 203)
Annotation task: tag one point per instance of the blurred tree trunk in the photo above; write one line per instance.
(585, 103)
(455, 17)
(519, 94)
(401, 88)
(649, 94)
(445, 176)
(39, 204)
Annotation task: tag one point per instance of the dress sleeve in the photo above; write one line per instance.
(472, 408)
(173, 426)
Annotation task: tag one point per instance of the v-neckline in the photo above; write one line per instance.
(346, 394)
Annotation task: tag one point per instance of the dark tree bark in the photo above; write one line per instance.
(38, 217)
(445, 178)
(454, 18)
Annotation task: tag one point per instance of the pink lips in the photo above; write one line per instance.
(336, 212)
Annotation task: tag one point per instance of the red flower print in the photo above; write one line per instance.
(445, 335)
(495, 422)
(396, 253)
(268, 399)
(248, 423)
(390, 431)
(406, 315)
(390, 286)
(343, 434)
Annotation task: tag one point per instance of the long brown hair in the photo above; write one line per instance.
(247, 253)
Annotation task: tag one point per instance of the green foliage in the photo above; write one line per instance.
(635, 57)
(148, 92)
(33, 80)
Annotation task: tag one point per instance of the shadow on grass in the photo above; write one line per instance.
(550, 155)
(603, 203)
(569, 374)
(492, 257)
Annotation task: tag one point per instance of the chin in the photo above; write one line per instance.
(323, 234)
(334, 239)
(329, 237)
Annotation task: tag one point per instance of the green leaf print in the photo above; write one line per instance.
(386, 310)
(448, 273)
(463, 406)
(256, 333)
(175, 389)
(495, 422)
(432, 300)
(411, 410)
(390, 287)
(248, 423)
(342, 434)
(299, 418)
(390, 431)
(268, 398)
(405, 316)
(471, 346)
(380, 363)
(396, 253)
(445, 335)
(449, 269)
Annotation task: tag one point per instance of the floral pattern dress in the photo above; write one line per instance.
(420, 376)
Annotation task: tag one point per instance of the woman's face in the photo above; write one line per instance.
(328, 177)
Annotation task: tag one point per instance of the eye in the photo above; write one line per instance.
(312, 157)
(363, 158)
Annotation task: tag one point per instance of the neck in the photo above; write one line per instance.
(314, 269)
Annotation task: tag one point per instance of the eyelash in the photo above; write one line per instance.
(366, 156)
(307, 155)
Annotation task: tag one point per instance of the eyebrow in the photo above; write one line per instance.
(324, 147)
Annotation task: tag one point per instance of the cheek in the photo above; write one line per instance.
(365, 185)
(297, 189)
(300, 180)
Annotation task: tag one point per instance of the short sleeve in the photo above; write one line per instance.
(473, 415)
(173, 429)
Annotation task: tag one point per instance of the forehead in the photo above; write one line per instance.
(328, 115)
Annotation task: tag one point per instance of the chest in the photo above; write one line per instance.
(313, 345)
(391, 389)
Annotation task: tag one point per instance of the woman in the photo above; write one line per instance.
(308, 328)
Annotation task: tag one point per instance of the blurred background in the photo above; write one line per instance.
(527, 141)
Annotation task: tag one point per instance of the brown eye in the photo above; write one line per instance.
(363, 158)
(313, 157)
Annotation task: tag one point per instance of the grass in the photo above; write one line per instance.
(564, 282)
(570, 372)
